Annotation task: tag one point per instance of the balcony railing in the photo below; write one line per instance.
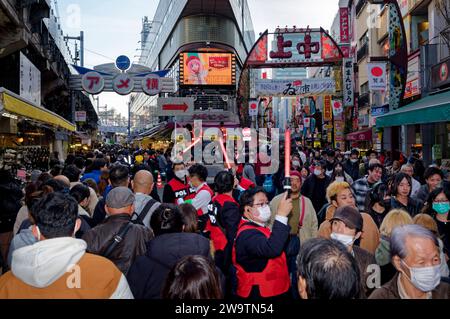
(363, 51)
(360, 5)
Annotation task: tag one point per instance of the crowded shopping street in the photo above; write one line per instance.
(250, 151)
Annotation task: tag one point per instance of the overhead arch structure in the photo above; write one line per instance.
(299, 48)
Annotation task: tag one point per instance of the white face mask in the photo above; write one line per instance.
(347, 240)
(317, 172)
(264, 213)
(181, 174)
(354, 160)
(296, 163)
(424, 278)
(339, 179)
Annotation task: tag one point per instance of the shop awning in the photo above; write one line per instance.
(363, 135)
(14, 104)
(431, 109)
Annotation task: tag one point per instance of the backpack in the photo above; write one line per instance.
(139, 219)
(268, 184)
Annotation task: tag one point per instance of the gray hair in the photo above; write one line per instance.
(400, 233)
(406, 166)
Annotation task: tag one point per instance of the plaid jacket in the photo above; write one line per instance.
(361, 188)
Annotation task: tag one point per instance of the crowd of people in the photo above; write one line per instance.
(350, 227)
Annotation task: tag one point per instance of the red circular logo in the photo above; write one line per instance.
(377, 71)
(253, 106)
(337, 105)
(443, 72)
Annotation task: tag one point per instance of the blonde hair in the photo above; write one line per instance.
(395, 218)
(426, 221)
(334, 188)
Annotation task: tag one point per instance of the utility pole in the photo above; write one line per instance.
(79, 56)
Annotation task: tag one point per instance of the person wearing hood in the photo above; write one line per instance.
(148, 273)
(258, 252)
(178, 186)
(416, 258)
(346, 228)
(58, 266)
(351, 165)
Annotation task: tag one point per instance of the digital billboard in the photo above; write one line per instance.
(207, 68)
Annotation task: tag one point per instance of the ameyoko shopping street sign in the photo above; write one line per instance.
(121, 77)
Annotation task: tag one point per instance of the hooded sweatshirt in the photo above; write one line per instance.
(60, 268)
(22, 239)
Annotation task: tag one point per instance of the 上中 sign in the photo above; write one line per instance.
(377, 76)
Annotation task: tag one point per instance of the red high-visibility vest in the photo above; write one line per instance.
(205, 187)
(181, 190)
(246, 183)
(217, 233)
(272, 281)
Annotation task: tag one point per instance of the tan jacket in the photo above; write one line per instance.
(310, 224)
(370, 237)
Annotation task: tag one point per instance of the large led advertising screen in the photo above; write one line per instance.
(207, 68)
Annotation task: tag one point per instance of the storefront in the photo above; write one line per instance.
(360, 139)
(29, 134)
(425, 122)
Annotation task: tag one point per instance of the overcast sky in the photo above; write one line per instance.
(112, 27)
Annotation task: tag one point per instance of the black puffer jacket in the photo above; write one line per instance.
(148, 273)
(134, 243)
(10, 196)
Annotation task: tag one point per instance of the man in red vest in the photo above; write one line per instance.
(258, 256)
(203, 193)
(178, 187)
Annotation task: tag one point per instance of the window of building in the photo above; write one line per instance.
(364, 89)
(364, 39)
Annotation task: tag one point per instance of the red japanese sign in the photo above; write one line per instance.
(327, 111)
(344, 23)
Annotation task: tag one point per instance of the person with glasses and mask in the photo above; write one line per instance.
(258, 253)
(416, 257)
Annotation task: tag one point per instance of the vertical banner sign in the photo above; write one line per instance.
(253, 108)
(327, 110)
(377, 76)
(345, 27)
(339, 134)
(349, 93)
(337, 107)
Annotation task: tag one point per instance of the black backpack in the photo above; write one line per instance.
(140, 217)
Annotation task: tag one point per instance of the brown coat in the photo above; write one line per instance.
(390, 291)
(134, 243)
(370, 237)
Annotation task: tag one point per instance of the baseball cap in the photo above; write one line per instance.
(119, 197)
(350, 216)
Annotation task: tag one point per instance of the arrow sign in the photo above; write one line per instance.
(174, 106)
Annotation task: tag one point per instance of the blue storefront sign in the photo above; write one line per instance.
(379, 110)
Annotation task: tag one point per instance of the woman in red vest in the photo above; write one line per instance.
(258, 256)
(178, 187)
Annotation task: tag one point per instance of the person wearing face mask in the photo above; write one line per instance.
(339, 194)
(351, 165)
(339, 174)
(315, 185)
(438, 207)
(376, 200)
(178, 187)
(296, 164)
(346, 227)
(415, 256)
(258, 256)
(45, 270)
(330, 162)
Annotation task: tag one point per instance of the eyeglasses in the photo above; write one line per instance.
(261, 204)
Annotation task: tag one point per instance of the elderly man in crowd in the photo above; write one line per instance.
(415, 255)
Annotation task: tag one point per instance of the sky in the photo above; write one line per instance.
(112, 27)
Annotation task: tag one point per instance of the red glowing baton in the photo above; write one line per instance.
(287, 162)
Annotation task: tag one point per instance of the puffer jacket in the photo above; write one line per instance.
(134, 243)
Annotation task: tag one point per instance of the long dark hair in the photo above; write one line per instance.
(193, 277)
(428, 208)
(333, 176)
(398, 178)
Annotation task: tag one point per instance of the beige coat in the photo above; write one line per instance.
(310, 224)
